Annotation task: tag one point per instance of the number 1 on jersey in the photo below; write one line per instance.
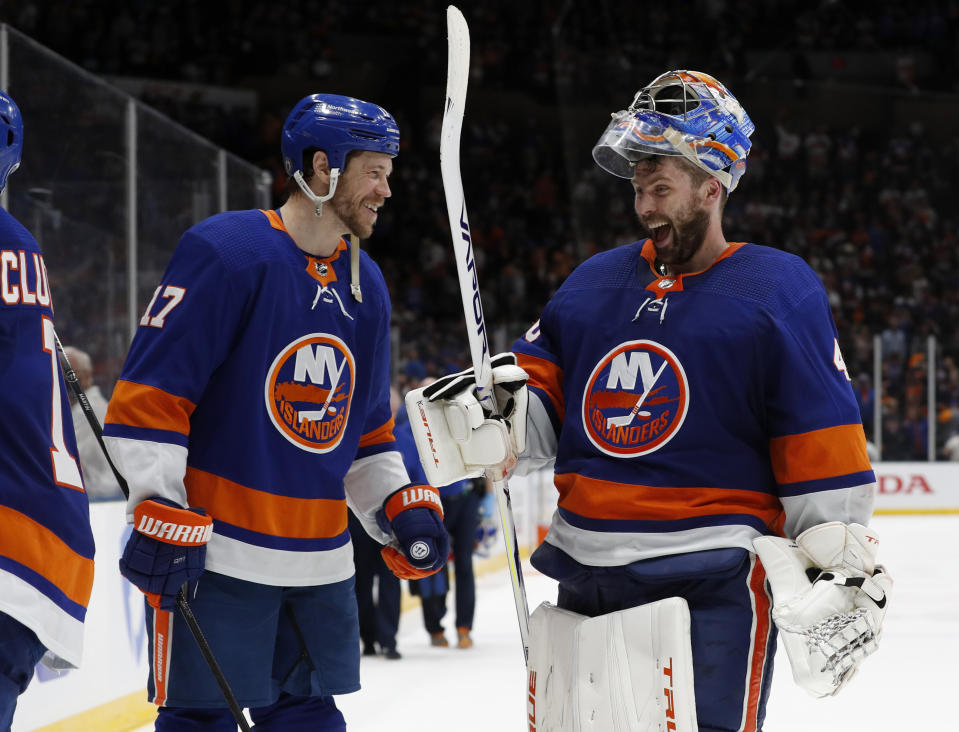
(66, 470)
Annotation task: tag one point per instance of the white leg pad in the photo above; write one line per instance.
(628, 671)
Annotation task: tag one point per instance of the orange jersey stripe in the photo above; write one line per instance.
(603, 499)
(825, 453)
(34, 546)
(379, 435)
(162, 642)
(275, 221)
(139, 405)
(265, 513)
(547, 376)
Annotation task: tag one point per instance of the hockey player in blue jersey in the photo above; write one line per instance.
(46, 546)
(690, 394)
(253, 406)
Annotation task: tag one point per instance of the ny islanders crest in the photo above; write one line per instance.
(309, 389)
(636, 399)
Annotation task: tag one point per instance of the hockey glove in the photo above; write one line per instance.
(166, 549)
(420, 546)
(458, 437)
(829, 601)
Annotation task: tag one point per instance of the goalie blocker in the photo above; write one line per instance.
(626, 671)
(455, 437)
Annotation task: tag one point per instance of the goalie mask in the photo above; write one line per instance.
(686, 113)
(11, 137)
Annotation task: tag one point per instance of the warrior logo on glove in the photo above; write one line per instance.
(635, 400)
(420, 546)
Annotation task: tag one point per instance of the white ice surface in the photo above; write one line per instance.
(907, 685)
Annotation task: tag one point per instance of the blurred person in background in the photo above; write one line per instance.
(97, 475)
(377, 588)
(461, 502)
(461, 514)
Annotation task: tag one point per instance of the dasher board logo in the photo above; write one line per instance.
(309, 389)
(635, 400)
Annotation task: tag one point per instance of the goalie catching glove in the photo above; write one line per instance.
(413, 515)
(458, 438)
(166, 550)
(829, 600)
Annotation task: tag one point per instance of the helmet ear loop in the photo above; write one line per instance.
(317, 201)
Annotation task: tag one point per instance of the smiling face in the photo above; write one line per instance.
(672, 207)
(362, 188)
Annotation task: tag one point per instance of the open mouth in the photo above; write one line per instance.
(659, 232)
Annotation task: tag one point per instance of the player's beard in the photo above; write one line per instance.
(689, 234)
(354, 215)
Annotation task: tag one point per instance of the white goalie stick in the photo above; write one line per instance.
(70, 376)
(456, 82)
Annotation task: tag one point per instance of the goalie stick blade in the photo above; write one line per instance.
(458, 61)
(457, 79)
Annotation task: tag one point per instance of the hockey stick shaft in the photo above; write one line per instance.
(70, 376)
(456, 83)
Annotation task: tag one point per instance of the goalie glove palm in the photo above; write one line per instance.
(456, 437)
(829, 601)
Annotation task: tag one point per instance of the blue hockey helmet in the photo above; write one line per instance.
(11, 137)
(336, 125)
(686, 113)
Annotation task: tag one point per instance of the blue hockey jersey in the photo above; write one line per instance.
(46, 545)
(257, 388)
(692, 412)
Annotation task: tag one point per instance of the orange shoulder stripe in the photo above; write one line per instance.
(825, 453)
(379, 435)
(275, 221)
(545, 375)
(603, 499)
(262, 512)
(139, 405)
(34, 546)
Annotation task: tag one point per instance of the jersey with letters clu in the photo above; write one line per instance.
(257, 388)
(46, 545)
(692, 412)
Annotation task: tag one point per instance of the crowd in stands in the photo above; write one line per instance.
(868, 205)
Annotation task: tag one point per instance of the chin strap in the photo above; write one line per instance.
(318, 201)
(354, 241)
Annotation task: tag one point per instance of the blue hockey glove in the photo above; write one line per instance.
(166, 549)
(414, 516)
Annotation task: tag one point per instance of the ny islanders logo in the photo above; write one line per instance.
(635, 400)
(309, 389)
